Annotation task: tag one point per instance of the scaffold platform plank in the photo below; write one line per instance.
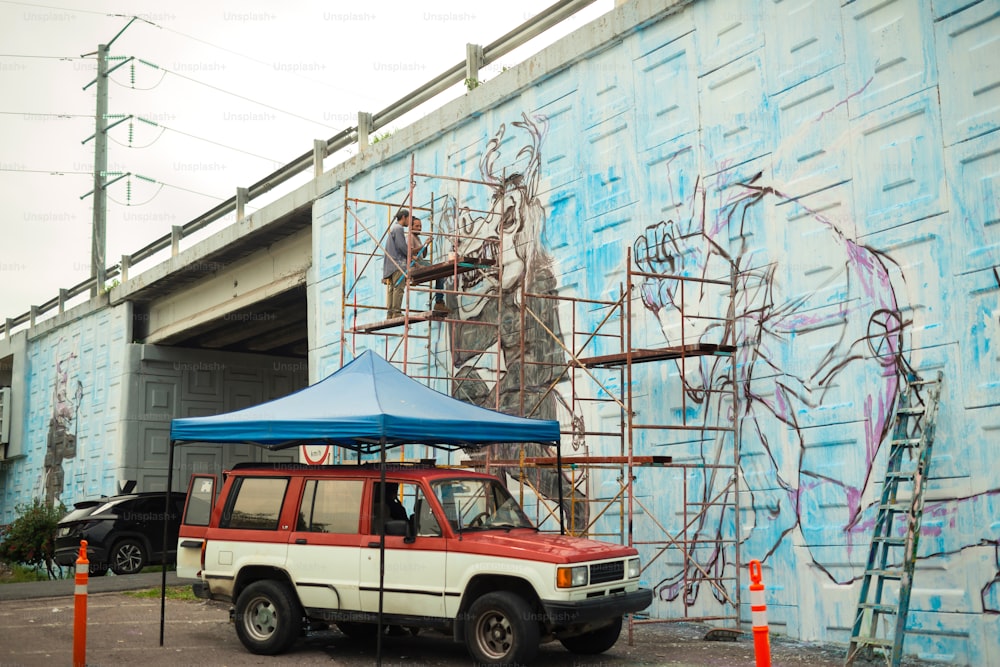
(412, 317)
(585, 460)
(657, 354)
(454, 267)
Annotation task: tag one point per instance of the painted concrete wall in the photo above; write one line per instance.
(845, 157)
(70, 401)
(96, 409)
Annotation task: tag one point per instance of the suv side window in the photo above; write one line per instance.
(331, 506)
(406, 501)
(255, 503)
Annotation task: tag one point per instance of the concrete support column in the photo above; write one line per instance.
(474, 59)
(175, 240)
(63, 296)
(364, 128)
(242, 197)
(126, 261)
(319, 154)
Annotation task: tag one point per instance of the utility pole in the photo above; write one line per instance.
(98, 242)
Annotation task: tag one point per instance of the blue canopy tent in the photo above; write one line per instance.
(364, 406)
(367, 406)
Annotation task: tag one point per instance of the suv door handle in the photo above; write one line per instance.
(301, 540)
(373, 545)
(191, 543)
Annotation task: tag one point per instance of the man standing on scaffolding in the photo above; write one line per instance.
(420, 253)
(395, 261)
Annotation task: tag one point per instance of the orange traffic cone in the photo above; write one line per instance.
(758, 614)
(80, 608)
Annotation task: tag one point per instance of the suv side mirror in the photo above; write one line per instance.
(399, 527)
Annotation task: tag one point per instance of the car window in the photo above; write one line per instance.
(112, 504)
(140, 510)
(425, 523)
(479, 504)
(199, 509)
(255, 503)
(331, 506)
(403, 501)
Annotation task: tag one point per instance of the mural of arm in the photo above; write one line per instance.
(786, 375)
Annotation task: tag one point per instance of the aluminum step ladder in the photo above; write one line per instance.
(893, 552)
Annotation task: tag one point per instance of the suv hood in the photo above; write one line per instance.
(529, 544)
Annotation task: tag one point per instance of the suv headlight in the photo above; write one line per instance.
(571, 577)
(633, 568)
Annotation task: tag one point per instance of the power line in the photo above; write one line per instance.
(163, 128)
(28, 55)
(216, 143)
(50, 172)
(62, 9)
(251, 58)
(46, 115)
(242, 97)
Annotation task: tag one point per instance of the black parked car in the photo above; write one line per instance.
(124, 533)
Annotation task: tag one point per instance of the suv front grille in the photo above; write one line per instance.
(603, 572)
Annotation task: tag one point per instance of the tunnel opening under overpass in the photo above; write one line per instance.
(215, 331)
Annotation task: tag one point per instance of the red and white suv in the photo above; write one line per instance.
(293, 546)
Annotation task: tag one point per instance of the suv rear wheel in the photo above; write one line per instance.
(268, 619)
(128, 557)
(499, 630)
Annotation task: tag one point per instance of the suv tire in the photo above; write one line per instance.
(500, 630)
(595, 641)
(268, 619)
(128, 557)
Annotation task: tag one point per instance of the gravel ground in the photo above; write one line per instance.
(37, 629)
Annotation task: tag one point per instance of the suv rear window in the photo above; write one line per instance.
(199, 509)
(331, 506)
(255, 503)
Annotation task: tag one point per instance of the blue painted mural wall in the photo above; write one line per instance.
(72, 413)
(846, 158)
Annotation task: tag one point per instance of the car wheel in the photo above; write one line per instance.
(128, 557)
(500, 630)
(595, 641)
(97, 569)
(268, 619)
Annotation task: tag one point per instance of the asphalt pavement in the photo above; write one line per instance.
(37, 619)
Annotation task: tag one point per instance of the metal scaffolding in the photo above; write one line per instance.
(662, 419)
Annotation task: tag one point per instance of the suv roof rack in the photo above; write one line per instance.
(368, 465)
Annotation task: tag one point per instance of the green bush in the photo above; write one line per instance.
(30, 539)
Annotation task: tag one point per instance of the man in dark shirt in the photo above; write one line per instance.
(395, 262)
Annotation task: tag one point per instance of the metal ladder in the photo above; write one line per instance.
(892, 556)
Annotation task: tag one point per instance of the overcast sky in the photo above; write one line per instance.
(227, 92)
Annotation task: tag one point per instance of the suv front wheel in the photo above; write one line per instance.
(268, 619)
(500, 630)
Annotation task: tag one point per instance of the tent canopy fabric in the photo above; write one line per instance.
(366, 403)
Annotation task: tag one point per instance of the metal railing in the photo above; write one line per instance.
(476, 58)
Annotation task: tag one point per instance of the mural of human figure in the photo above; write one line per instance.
(61, 439)
(772, 384)
(511, 231)
(790, 379)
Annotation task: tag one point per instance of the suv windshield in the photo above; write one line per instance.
(477, 504)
